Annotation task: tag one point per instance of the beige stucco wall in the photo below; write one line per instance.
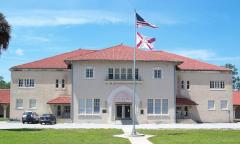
(200, 92)
(43, 91)
(99, 88)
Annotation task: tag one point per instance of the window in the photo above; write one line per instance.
(157, 106)
(211, 105)
(224, 105)
(123, 74)
(57, 83)
(165, 106)
(222, 85)
(136, 74)
(96, 107)
(217, 84)
(188, 84)
(89, 106)
(110, 73)
(129, 74)
(19, 103)
(20, 83)
(157, 73)
(89, 73)
(117, 73)
(82, 106)
(150, 106)
(63, 83)
(32, 104)
(26, 82)
(182, 84)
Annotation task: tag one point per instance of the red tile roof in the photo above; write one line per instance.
(192, 64)
(121, 53)
(4, 96)
(236, 97)
(60, 100)
(54, 62)
(185, 101)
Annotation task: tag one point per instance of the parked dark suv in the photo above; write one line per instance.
(48, 119)
(30, 117)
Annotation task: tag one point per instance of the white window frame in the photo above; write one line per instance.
(85, 73)
(161, 108)
(63, 83)
(211, 109)
(153, 73)
(182, 84)
(19, 107)
(226, 105)
(26, 83)
(92, 106)
(30, 104)
(188, 85)
(217, 85)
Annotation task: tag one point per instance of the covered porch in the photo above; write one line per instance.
(183, 108)
(4, 103)
(236, 106)
(61, 107)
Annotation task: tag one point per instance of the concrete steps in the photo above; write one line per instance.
(123, 122)
(186, 121)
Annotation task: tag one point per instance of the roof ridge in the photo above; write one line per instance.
(100, 50)
(49, 57)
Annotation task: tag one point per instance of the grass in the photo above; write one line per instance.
(193, 136)
(61, 136)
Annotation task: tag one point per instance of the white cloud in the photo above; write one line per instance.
(206, 55)
(19, 52)
(35, 38)
(202, 54)
(63, 17)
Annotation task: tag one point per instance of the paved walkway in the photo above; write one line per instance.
(140, 139)
(18, 125)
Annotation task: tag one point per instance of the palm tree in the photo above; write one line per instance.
(5, 31)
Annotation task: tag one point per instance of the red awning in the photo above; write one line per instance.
(185, 101)
(60, 100)
(4, 96)
(236, 97)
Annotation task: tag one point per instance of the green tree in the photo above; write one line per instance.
(235, 76)
(4, 84)
(5, 33)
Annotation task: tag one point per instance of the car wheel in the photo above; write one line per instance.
(23, 122)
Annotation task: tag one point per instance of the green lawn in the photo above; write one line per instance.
(193, 136)
(61, 136)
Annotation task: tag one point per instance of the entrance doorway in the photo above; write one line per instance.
(123, 111)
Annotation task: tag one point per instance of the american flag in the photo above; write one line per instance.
(142, 22)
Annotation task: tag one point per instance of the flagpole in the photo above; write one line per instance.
(134, 133)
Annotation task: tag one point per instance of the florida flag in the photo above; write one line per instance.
(144, 42)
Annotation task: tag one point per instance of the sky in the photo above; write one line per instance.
(205, 30)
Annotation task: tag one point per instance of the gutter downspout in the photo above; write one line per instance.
(72, 105)
(174, 93)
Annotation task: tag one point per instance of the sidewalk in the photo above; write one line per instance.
(18, 125)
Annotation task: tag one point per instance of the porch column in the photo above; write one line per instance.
(5, 111)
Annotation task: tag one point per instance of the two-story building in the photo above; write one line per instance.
(97, 86)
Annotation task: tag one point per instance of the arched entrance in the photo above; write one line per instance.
(120, 103)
